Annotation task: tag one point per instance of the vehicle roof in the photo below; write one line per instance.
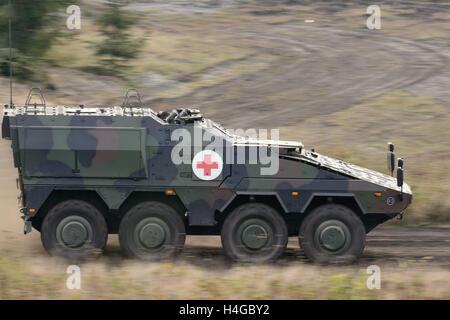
(80, 110)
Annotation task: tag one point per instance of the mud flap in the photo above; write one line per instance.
(27, 225)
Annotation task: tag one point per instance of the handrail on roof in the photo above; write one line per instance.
(35, 92)
(131, 93)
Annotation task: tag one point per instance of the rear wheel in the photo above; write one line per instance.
(254, 232)
(152, 231)
(332, 233)
(74, 229)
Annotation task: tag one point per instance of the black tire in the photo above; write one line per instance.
(254, 232)
(74, 229)
(332, 233)
(152, 231)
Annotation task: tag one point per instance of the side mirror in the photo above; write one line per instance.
(399, 177)
(391, 158)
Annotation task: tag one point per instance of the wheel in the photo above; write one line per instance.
(74, 229)
(332, 233)
(254, 232)
(152, 231)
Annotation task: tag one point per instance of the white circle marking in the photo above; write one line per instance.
(207, 165)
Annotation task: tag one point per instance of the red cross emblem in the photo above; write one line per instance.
(207, 165)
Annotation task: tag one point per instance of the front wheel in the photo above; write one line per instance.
(254, 232)
(332, 233)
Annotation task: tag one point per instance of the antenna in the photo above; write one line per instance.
(10, 57)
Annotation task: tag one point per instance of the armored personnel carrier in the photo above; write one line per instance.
(154, 178)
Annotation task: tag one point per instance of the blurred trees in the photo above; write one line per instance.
(118, 45)
(35, 27)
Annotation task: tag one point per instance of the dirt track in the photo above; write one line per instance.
(385, 246)
(317, 71)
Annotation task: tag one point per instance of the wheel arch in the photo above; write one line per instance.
(269, 198)
(136, 197)
(57, 196)
(347, 199)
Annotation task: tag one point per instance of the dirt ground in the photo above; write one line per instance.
(317, 72)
